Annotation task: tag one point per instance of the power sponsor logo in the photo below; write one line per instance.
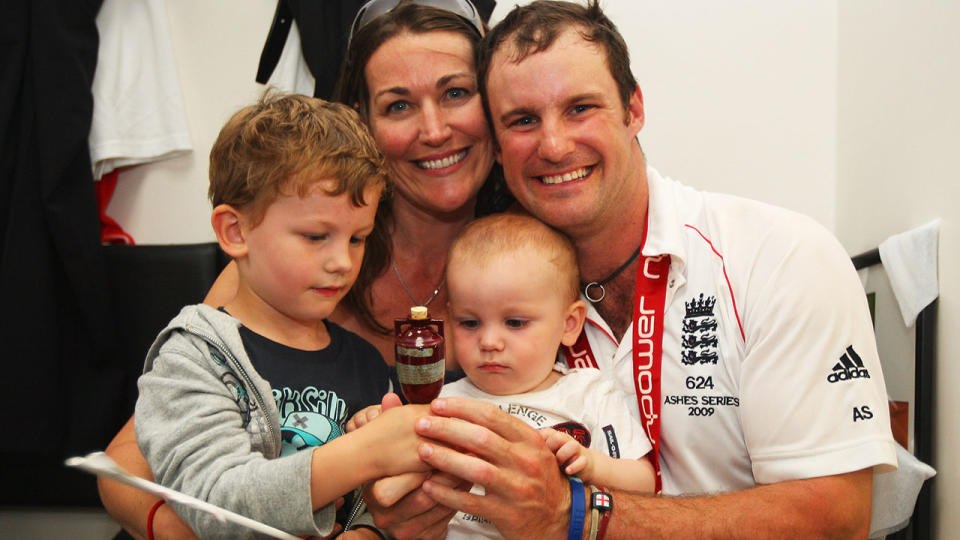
(849, 367)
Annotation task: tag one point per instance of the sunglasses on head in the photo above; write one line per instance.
(375, 8)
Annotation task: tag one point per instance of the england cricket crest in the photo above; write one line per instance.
(699, 339)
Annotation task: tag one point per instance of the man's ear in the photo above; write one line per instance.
(227, 224)
(573, 322)
(635, 116)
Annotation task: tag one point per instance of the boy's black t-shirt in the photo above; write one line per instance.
(316, 392)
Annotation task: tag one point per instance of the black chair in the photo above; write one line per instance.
(924, 355)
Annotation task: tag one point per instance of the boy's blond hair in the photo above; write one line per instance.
(285, 143)
(489, 237)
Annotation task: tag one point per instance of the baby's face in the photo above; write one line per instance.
(507, 318)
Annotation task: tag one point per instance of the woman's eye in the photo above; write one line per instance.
(358, 240)
(457, 93)
(398, 107)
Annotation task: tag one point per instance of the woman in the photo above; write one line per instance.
(409, 71)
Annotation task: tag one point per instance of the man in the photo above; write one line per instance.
(741, 328)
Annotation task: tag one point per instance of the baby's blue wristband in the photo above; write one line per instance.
(577, 508)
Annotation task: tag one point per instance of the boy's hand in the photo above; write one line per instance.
(571, 455)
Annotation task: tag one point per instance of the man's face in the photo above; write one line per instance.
(567, 145)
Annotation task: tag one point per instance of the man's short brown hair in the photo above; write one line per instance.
(283, 144)
(534, 27)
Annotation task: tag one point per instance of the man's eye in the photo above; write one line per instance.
(516, 323)
(523, 121)
(580, 108)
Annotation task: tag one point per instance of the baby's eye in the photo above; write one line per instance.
(516, 323)
(315, 237)
(469, 324)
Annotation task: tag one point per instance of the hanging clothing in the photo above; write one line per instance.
(56, 332)
(323, 29)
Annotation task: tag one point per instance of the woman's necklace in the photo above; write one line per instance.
(410, 294)
(597, 284)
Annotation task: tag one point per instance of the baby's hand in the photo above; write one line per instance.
(367, 415)
(362, 417)
(571, 455)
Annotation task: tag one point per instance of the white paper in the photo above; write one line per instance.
(101, 464)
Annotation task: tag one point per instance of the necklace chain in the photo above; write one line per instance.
(410, 294)
(599, 284)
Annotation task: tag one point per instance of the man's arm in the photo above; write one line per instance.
(827, 507)
(527, 496)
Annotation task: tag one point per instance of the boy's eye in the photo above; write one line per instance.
(516, 323)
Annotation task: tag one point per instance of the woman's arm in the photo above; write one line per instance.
(225, 287)
(130, 506)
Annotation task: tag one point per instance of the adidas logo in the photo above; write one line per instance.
(849, 367)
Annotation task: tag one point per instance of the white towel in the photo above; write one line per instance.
(910, 260)
(138, 110)
(292, 74)
(895, 494)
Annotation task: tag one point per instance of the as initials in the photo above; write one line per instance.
(862, 413)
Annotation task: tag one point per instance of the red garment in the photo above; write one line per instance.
(110, 231)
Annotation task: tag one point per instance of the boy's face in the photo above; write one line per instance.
(302, 258)
(507, 318)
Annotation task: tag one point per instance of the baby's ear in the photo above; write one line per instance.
(573, 320)
(227, 225)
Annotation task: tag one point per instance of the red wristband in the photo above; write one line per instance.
(153, 511)
(604, 518)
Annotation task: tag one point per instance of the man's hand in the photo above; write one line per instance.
(398, 505)
(526, 494)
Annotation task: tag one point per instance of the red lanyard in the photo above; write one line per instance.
(648, 305)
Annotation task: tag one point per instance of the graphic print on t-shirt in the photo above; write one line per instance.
(308, 417)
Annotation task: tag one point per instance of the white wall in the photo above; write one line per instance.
(898, 131)
(217, 45)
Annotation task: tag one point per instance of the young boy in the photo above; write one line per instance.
(245, 406)
(513, 286)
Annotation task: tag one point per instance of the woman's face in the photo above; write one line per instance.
(427, 118)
